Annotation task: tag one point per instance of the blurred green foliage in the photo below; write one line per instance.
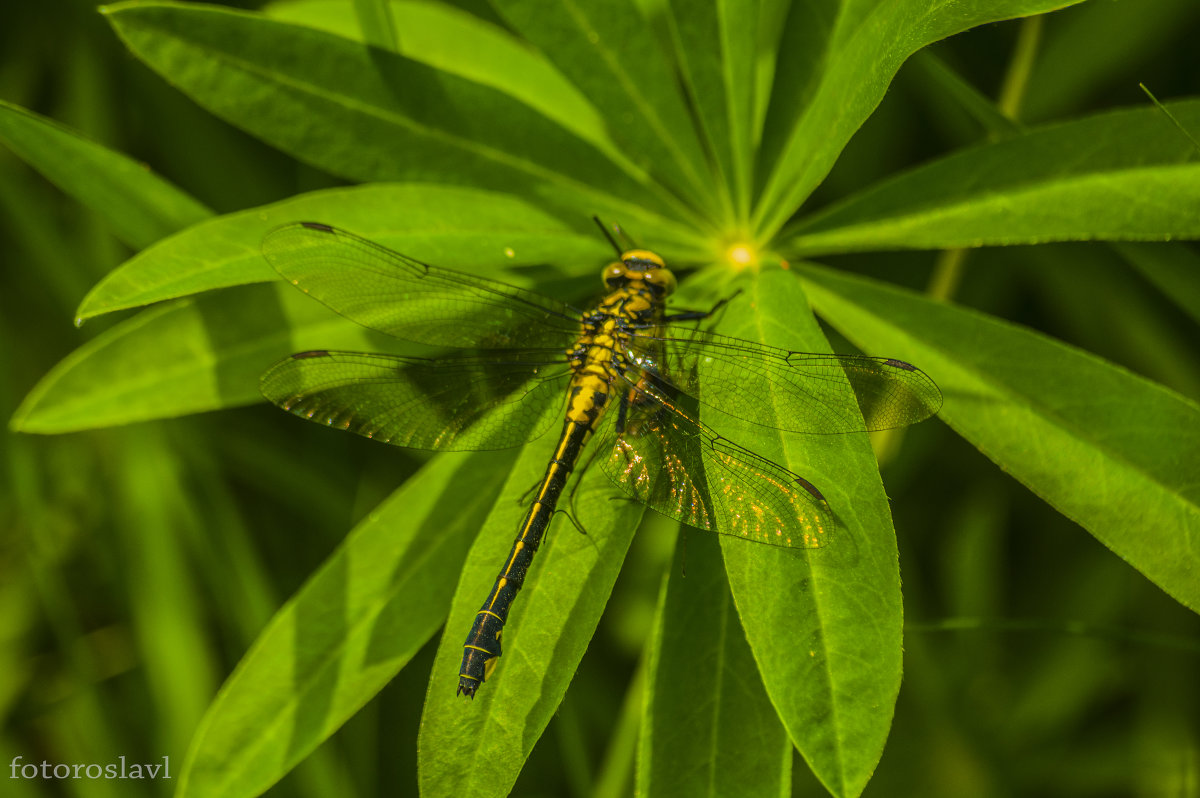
(139, 563)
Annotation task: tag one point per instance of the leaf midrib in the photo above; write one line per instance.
(818, 605)
(921, 213)
(629, 86)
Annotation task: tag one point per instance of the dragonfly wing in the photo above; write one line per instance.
(891, 393)
(393, 293)
(810, 393)
(673, 463)
(449, 404)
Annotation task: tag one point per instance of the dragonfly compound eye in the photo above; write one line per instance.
(661, 279)
(642, 260)
(614, 274)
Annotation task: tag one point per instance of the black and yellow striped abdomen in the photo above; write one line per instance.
(483, 641)
(596, 360)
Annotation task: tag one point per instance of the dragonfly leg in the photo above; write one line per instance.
(630, 398)
(699, 315)
(578, 526)
(578, 480)
(524, 496)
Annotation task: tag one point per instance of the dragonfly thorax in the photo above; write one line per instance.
(638, 268)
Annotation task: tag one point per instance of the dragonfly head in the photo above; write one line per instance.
(639, 267)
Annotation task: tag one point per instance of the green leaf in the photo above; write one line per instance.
(717, 49)
(139, 206)
(376, 23)
(370, 115)
(824, 624)
(479, 231)
(477, 747)
(185, 357)
(708, 726)
(1114, 452)
(456, 42)
(606, 48)
(805, 34)
(852, 50)
(1119, 175)
(360, 618)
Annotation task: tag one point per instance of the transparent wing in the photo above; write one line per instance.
(451, 404)
(811, 393)
(673, 463)
(393, 293)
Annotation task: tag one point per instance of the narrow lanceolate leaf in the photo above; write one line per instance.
(462, 228)
(349, 630)
(708, 726)
(375, 23)
(367, 114)
(824, 624)
(607, 49)
(1116, 453)
(861, 47)
(478, 746)
(1124, 175)
(139, 206)
(717, 46)
(181, 358)
(460, 43)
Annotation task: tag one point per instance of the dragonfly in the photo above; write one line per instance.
(633, 379)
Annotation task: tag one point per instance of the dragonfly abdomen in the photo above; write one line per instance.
(483, 642)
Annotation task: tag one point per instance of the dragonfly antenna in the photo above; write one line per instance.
(626, 236)
(607, 235)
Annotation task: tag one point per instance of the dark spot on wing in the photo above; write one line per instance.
(811, 488)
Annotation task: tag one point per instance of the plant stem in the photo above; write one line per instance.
(1016, 80)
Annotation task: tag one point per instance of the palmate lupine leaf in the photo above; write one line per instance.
(371, 115)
